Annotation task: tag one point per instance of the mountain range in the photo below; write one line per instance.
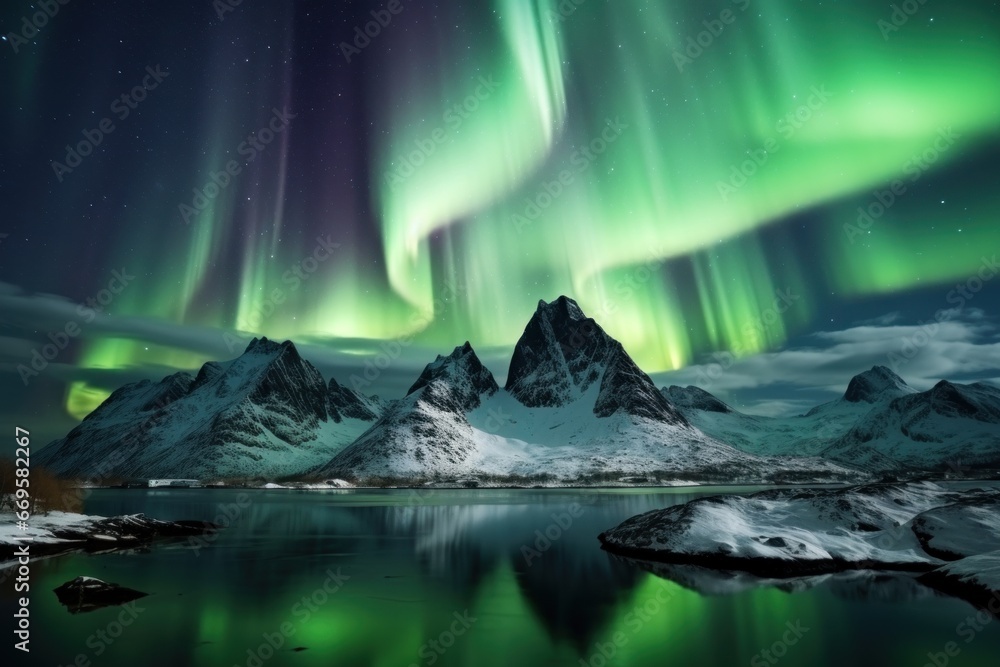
(575, 409)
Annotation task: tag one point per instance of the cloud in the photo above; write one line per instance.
(883, 321)
(382, 367)
(963, 349)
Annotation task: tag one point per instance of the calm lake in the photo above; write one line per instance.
(461, 577)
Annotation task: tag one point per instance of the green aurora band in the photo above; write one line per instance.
(655, 227)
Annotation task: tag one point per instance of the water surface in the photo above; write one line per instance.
(460, 577)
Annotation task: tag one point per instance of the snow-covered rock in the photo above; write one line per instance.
(792, 531)
(725, 544)
(962, 529)
(58, 532)
(788, 532)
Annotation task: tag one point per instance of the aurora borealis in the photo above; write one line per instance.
(676, 167)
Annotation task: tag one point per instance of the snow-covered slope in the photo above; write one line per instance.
(803, 435)
(879, 424)
(426, 433)
(266, 413)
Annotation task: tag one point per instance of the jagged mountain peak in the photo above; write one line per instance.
(560, 355)
(264, 345)
(563, 354)
(460, 377)
(879, 383)
(562, 309)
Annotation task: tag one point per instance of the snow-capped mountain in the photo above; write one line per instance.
(267, 412)
(803, 435)
(576, 409)
(878, 385)
(563, 353)
(950, 426)
(426, 432)
(879, 424)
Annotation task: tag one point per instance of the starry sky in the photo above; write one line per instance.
(762, 198)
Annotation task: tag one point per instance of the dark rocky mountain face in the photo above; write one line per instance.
(878, 384)
(283, 394)
(345, 403)
(563, 353)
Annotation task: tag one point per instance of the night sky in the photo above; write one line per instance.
(761, 198)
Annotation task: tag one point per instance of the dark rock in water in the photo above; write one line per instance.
(85, 594)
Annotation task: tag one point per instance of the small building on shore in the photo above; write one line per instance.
(174, 483)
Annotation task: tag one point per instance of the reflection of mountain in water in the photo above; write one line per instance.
(892, 587)
(568, 581)
(455, 539)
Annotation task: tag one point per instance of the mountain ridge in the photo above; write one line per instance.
(575, 406)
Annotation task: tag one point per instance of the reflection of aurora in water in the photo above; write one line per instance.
(658, 237)
(413, 563)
